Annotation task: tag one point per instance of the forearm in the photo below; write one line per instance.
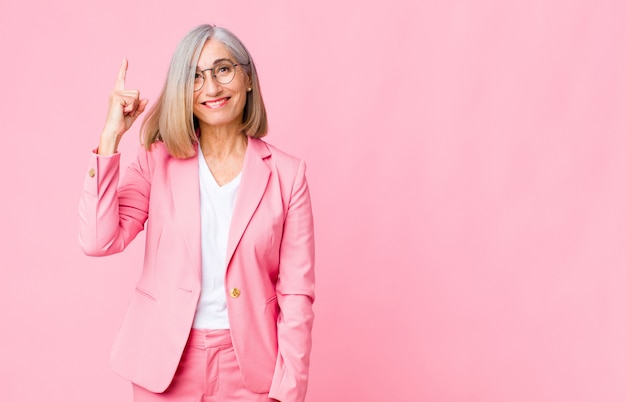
(106, 224)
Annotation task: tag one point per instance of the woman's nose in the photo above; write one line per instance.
(211, 86)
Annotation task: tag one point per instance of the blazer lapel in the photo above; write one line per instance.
(184, 179)
(254, 178)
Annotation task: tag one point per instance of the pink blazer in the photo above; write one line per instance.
(269, 277)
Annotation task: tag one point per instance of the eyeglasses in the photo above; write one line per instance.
(223, 72)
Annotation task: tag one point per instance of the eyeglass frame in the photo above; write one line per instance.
(215, 76)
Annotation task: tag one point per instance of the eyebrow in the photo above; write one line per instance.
(214, 63)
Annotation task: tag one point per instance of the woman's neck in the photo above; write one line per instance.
(222, 142)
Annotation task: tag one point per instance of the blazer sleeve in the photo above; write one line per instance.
(295, 292)
(111, 216)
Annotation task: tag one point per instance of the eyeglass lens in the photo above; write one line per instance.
(224, 72)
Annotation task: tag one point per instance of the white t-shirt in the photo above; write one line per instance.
(216, 210)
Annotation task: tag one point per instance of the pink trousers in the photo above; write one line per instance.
(208, 372)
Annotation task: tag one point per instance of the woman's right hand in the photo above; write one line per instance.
(124, 108)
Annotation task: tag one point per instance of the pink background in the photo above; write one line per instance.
(466, 161)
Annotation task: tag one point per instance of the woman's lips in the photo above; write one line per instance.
(215, 104)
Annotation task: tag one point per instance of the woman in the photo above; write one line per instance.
(223, 307)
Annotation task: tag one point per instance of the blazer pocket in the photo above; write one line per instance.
(145, 294)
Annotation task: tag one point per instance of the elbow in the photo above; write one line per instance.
(91, 247)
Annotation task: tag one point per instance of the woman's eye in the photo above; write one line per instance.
(223, 69)
(197, 76)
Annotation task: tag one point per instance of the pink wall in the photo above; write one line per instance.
(467, 165)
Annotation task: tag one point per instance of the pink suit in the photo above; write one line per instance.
(270, 258)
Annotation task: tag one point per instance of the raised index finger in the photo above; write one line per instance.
(121, 76)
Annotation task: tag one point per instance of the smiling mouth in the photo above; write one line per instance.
(215, 104)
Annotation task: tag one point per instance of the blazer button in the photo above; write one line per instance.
(234, 293)
(92, 172)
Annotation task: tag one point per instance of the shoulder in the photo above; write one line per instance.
(156, 155)
(155, 160)
(282, 160)
(157, 151)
